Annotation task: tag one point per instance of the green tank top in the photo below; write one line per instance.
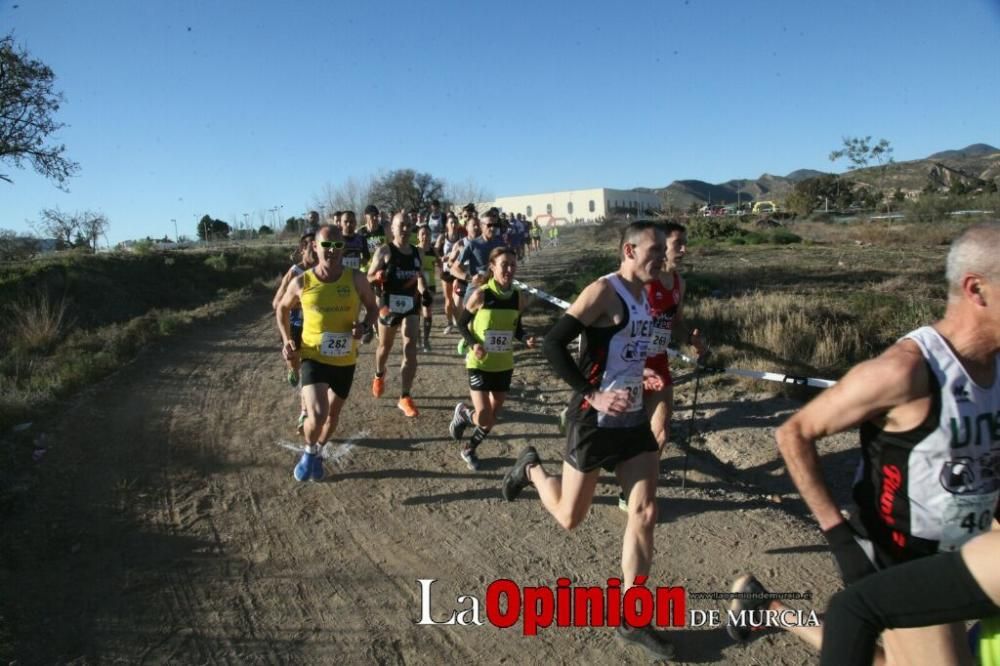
(494, 326)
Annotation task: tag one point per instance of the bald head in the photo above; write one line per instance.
(973, 252)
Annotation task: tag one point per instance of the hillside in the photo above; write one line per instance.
(974, 165)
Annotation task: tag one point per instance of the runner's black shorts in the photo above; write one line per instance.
(497, 381)
(297, 336)
(337, 377)
(589, 447)
(447, 277)
(460, 287)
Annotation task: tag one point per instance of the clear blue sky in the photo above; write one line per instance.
(175, 109)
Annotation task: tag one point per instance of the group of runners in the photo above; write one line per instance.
(917, 550)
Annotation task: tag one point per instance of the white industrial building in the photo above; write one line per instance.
(581, 205)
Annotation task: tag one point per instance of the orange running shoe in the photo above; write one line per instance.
(406, 404)
(378, 386)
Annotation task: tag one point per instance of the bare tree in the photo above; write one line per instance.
(353, 194)
(68, 228)
(468, 191)
(93, 225)
(27, 106)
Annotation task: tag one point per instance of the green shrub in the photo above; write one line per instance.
(219, 262)
(784, 237)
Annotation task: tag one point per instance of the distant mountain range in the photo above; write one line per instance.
(973, 164)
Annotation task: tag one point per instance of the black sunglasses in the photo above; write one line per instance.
(336, 245)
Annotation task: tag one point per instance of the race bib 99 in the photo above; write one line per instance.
(400, 304)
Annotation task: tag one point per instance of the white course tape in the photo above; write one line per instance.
(558, 302)
(329, 452)
(751, 374)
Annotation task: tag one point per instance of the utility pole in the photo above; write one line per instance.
(176, 237)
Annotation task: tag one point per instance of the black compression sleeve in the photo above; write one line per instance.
(464, 322)
(566, 329)
(931, 590)
(519, 331)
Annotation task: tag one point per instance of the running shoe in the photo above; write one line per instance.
(304, 469)
(470, 458)
(622, 502)
(300, 426)
(426, 347)
(752, 597)
(378, 386)
(448, 328)
(459, 421)
(293, 377)
(462, 348)
(406, 405)
(317, 472)
(655, 644)
(516, 478)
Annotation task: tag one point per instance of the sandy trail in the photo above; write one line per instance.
(168, 528)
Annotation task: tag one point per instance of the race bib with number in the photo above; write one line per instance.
(400, 304)
(335, 344)
(967, 516)
(634, 388)
(352, 262)
(497, 341)
(658, 343)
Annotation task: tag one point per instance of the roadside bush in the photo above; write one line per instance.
(218, 262)
(713, 229)
(782, 236)
(37, 322)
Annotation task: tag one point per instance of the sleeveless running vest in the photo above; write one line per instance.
(375, 239)
(494, 325)
(330, 308)
(399, 291)
(663, 304)
(355, 251)
(446, 249)
(935, 487)
(615, 356)
(430, 254)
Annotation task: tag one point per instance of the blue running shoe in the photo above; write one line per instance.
(304, 470)
(317, 467)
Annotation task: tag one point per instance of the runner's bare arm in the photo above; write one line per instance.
(281, 313)
(457, 269)
(472, 306)
(285, 279)
(367, 297)
(594, 303)
(421, 280)
(378, 263)
(870, 389)
(694, 336)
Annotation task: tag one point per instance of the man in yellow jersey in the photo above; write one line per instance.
(331, 297)
(489, 324)
(398, 267)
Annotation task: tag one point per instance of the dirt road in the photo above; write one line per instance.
(168, 528)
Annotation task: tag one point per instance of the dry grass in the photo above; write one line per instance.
(38, 322)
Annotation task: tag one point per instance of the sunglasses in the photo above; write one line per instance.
(336, 245)
(494, 226)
